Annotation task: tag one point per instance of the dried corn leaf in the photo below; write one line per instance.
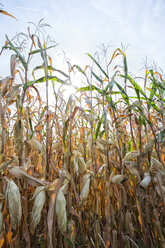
(61, 211)
(13, 199)
(5, 165)
(1, 218)
(72, 232)
(148, 147)
(39, 202)
(13, 62)
(4, 86)
(18, 172)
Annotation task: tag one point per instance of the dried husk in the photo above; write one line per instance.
(118, 179)
(36, 145)
(40, 198)
(81, 164)
(52, 186)
(89, 164)
(19, 137)
(67, 177)
(131, 155)
(75, 161)
(101, 169)
(85, 189)
(1, 218)
(133, 171)
(61, 211)
(158, 166)
(146, 181)
(13, 199)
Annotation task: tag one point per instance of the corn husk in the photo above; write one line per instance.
(15, 161)
(39, 202)
(1, 218)
(36, 145)
(53, 185)
(67, 178)
(131, 155)
(61, 211)
(85, 189)
(157, 166)
(4, 86)
(133, 171)
(19, 137)
(101, 169)
(118, 179)
(13, 199)
(89, 164)
(146, 181)
(75, 161)
(81, 164)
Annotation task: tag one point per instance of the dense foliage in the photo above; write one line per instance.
(87, 171)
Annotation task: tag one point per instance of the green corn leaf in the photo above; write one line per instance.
(80, 70)
(89, 88)
(158, 96)
(49, 68)
(110, 101)
(98, 65)
(105, 118)
(43, 79)
(40, 50)
(68, 105)
(31, 126)
(99, 79)
(136, 86)
(152, 93)
(18, 53)
(98, 128)
(123, 93)
(42, 113)
(156, 108)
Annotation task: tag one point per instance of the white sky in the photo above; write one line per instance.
(80, 26)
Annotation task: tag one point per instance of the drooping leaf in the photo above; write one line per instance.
(89, 88)
(18, 53)
(43, 79)
(6, 13)
(98, 65)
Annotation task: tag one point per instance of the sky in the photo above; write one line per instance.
(79, 27)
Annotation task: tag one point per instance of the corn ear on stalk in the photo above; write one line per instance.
(61, 211)
(19, 137)
(85, 188)
(39, 202)
(13, 199)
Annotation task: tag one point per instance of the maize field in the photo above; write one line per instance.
(82, 171)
